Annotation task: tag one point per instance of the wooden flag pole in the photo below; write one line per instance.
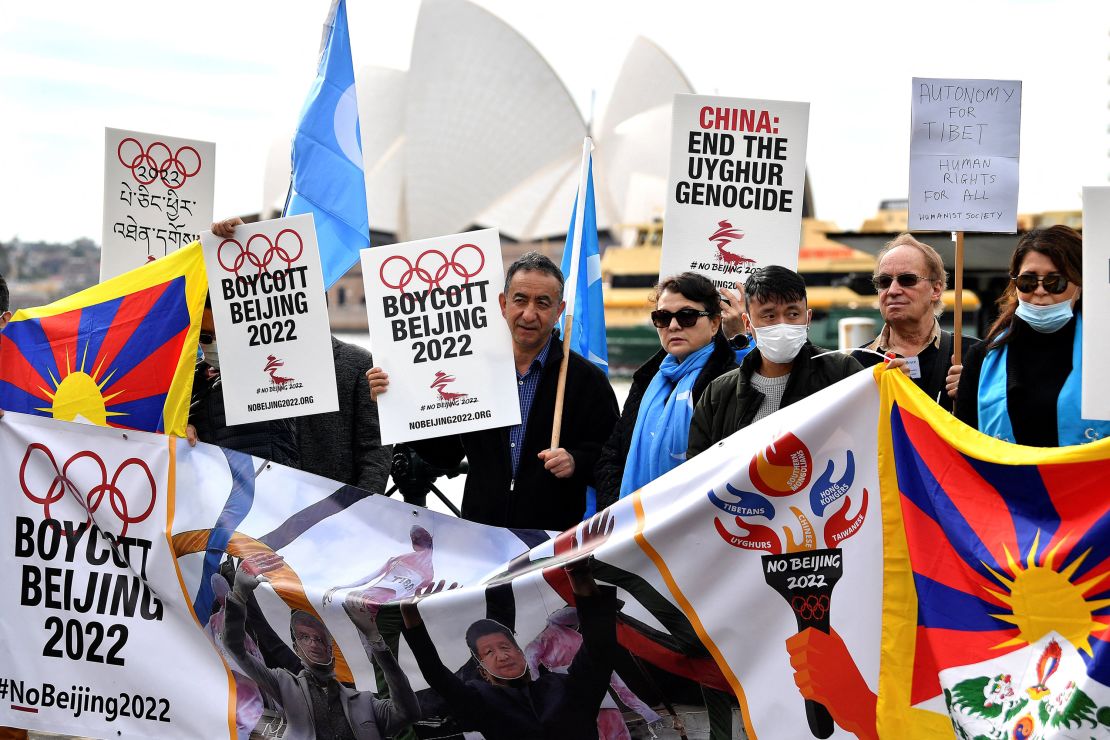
(569, 292)
(958, 313)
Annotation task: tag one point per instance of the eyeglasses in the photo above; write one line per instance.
(311, 640)
(1053, 283)
(906, 280)
(206, 338)
(686, 317)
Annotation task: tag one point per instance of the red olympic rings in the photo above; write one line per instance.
(90, 501)
(810, 608)
(432, 279)
(159, 161)
(274, 249)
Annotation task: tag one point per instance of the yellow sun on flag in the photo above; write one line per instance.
(1045, 600)
(78, 396)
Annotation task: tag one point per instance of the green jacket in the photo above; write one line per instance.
(730, 402)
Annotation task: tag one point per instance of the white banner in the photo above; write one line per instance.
(158, 193)
(271, 316)
(437, 330)
(1096, 301)
(736, 186)
(92, 615)
(965, 137)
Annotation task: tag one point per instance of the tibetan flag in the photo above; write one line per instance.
(328, 179)
(118, 354)
(997, 581)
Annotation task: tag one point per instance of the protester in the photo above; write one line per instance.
(1023, 383)
(780, 370)
(910, 278)
(315, 704)
(5, 309)
(515, 479)
(651, 436)
(506, 703)
(274, 440)
(343, 445)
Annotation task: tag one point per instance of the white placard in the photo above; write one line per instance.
(736, 186)
(965, 137)
(1096, 301)
(158, 194)
(271, 318)
(436, 328)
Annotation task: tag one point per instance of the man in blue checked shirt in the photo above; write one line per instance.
(515, 479)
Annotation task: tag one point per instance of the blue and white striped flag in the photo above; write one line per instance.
(327, 155)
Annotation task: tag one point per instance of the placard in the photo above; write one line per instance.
(736, 186)
(965, 137)
(158, 194)
(1096, 301)
(271, 316)
(436, 328)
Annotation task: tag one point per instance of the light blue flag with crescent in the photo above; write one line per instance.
(589, 301)
(327, 155)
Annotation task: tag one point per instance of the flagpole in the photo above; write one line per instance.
(571, 283)
(958, 313)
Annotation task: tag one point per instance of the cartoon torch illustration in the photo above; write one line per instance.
(803, 574)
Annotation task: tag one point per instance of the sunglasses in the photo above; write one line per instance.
(206, 338)
(906, 280)
(1053, 283)
(686, 317)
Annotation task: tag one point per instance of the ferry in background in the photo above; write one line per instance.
(838, 285)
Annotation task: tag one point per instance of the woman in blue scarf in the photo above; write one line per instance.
(1023, 382)
(651, 435)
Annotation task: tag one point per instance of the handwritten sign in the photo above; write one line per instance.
(964, 145)
(271, 316)
(434, 315)
(158, 194)
(1096, 301)
(736, 186)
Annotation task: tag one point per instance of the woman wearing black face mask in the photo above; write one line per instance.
(1023, 382)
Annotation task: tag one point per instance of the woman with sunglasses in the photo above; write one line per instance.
(651, 436)
(1022, 383)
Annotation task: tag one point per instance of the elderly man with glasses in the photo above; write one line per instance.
(910, 278)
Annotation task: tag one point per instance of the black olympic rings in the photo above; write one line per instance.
(432, 278)
(273, 250)
(158, 161)
(90, 502)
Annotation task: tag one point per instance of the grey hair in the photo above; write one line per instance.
(534, 261)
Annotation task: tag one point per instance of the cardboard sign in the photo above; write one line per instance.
(436, 328)
(1096, 301)
(271, 318)
(735, 187)
(965, 138)
(158, 194)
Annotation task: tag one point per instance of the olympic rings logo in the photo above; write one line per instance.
(248, 256)
(431, 267)
(811, 608)
(90, 502)
(158, 161)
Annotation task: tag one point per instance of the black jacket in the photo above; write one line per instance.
(536, 499)
(274, 440)
(731, 401)
(610, 466)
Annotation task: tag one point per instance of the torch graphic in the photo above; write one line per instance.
(801, 573)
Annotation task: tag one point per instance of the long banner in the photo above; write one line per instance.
(750, 583)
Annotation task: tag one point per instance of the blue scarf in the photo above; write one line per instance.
(662, 429)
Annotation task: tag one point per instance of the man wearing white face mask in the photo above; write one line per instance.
(780, 370)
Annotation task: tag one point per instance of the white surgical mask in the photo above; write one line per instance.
(211, 355)
(780, 343)
(1045, 319)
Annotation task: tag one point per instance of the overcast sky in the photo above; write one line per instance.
(236, 72)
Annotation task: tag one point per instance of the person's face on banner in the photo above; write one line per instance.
(531, 308)
(907, 304)
(313, 643)
(500, 657)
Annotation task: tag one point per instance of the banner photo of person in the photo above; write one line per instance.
(736, 186)
(747, 592)
(432, 307)
(158, 195)
(271, 318)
